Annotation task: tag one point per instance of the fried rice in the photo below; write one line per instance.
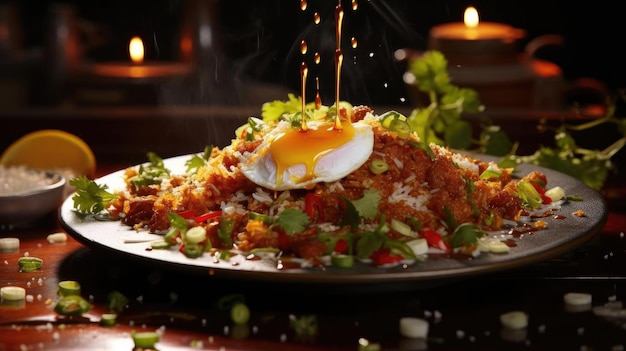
(432, 185)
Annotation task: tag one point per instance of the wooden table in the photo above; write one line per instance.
(463, 313)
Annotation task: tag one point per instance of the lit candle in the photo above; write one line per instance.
(137, 68)
(473, 38)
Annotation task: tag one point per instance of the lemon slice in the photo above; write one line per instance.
(51, 149)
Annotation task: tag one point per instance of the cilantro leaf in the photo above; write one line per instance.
(351, 216)
(152, 172)
(368, 242)
(292, 220)
(367, 206)
(90, 197)
(466, 234)
(274, 110)
(197, 161)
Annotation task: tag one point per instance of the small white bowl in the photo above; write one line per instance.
(29, 205)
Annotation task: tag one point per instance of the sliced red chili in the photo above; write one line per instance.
(542, 191)
(283, 241)
(384, 256)
(187, 214)
(341, 246)
(205, 217)
(314, 207)
(434, 239)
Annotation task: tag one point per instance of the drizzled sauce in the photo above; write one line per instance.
(339, 13)
(338, 60)
(318, 98)
(306, 145)
(523, 229)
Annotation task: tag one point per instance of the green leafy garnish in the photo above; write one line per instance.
(466, 234)
(198, 160)
(364, 208)
(367, 206)
(292, 220)
(304, 326)
(151, 173)
(117, 301)
(90, 197)
(368, 243)
(441, 122)
(274, 110)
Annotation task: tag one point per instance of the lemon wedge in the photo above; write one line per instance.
(51, 149)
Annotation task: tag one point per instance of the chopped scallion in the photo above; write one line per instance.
(239, 313)
(68, 287)
(29, 264)
(378, 166)
(145, 340)
(342, 261)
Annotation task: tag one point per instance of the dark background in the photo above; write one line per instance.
(259, 40)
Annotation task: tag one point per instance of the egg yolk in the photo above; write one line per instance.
(306, 147)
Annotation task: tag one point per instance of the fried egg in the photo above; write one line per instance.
(292, 158)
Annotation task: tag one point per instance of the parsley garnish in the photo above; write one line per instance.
(90, 197)
(292, 220)
(466, 234)
(274, 110)
(197, 161)
(367, 206)
(152, 172)
(369, 242)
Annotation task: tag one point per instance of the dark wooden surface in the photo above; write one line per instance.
(463, 313)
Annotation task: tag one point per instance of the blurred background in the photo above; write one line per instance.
(64, 63)
(259, 41)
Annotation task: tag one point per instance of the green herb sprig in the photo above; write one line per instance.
(442, 123)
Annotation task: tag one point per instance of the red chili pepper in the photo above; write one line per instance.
(283, 241)
(187, 214)
(314, 207)
(341, 246)
(384, 256)
(434, 239)
(542, 191)
(205, 217)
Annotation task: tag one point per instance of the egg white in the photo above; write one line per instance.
(260, 167)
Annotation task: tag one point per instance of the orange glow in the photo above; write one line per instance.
(470, 17)
(135, 49)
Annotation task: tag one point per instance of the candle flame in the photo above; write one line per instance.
(135, 49)
(471, 17)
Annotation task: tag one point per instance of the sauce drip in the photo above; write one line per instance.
(306, 147)
(338, 60)
(304, 72)
(303, 47)
(318, 98)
